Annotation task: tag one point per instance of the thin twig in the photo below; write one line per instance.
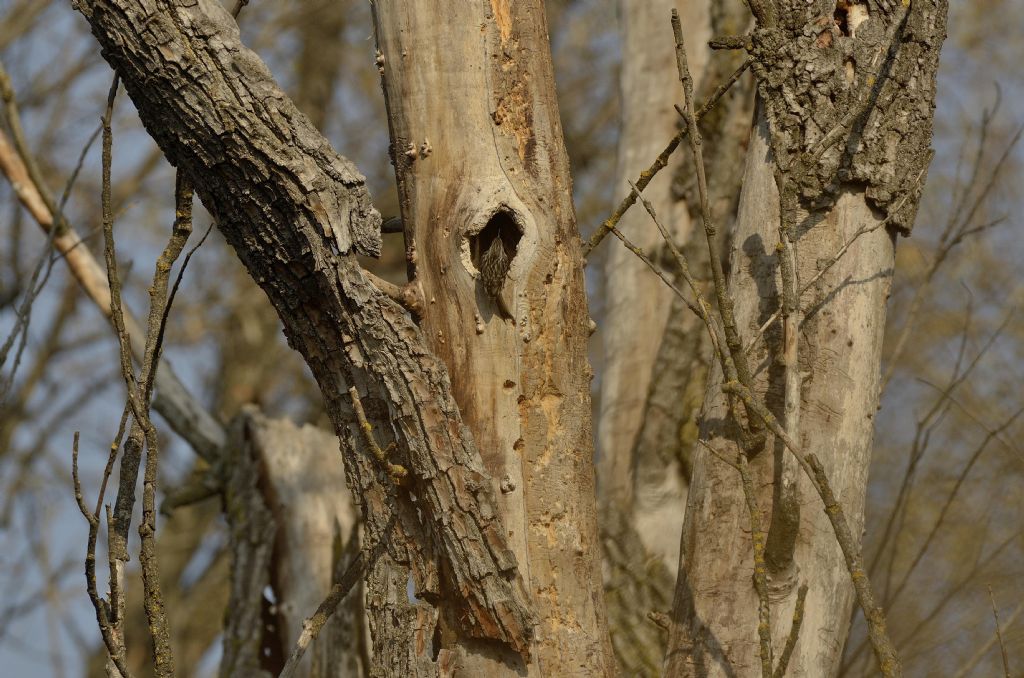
(311, 627)
(143, 433)
(794, 632)
(885, 651)
(19, 162)
(702, 308)
(659, 164)
(999, 635)
(758, 536)
(111, 458)
(395, 471)
(725, 302)
(629, 245)
(827, 266)
(927, 424)
(116, 311)
(186, 415)
(153, 601)
(181, 275)
(160, 302)
(115, 649)
(969, 665)
(957, 230)
(950, 498)
(967, 580)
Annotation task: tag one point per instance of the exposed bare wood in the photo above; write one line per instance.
(839, 350)
(480, 161)
(296, 214)
(637, 304)
(302, 485)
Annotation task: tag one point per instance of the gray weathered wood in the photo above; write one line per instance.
(637, 303)
(303, 487)
(808, 89)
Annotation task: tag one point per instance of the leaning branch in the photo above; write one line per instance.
(183, 412)
(297, 217)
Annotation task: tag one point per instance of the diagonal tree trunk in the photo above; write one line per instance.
(816, 66)
(296, 214)
(479, 156)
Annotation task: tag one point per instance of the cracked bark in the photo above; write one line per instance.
(296, 214)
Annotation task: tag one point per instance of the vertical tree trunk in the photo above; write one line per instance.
(304, 488)
(478, 151)
(641, 482)
(873, 174)
(637, 303)
(716, 568)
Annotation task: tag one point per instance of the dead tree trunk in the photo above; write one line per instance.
(297, 214)
(641, 482)
(844, 127)
(480, 161)
(510, 583)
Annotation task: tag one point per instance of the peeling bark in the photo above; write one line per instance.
(479, 156)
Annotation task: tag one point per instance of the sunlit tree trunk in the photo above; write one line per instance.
(479, 156)
(873, 173)
(641, 481)
(497, 538)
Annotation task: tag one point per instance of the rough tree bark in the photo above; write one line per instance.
(479, 156)
(816, 65)
(296, 214)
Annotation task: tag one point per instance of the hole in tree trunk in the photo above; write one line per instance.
(493, 248)
(849, 15)
(435, 642)
(501, 226)
(841, 15)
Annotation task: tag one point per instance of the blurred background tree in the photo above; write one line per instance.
(944, 506)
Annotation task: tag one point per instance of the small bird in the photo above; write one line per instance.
(494, 265)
